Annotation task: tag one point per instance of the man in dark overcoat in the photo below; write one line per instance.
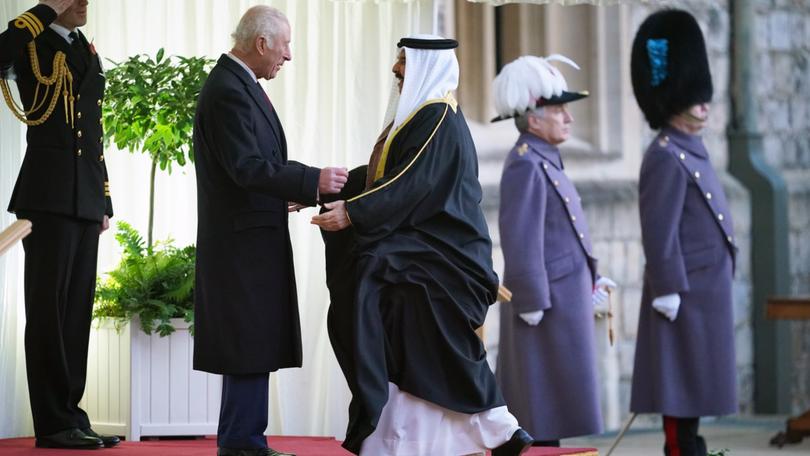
(685, 361)
(63, 189)
(546, 357)
(246, 310)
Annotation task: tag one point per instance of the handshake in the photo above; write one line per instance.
(331, 181)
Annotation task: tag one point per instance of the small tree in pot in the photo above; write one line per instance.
(149, 107)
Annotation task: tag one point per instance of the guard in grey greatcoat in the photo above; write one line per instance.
(685, 362)
(546, 360)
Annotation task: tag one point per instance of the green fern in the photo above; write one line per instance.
(155, 284)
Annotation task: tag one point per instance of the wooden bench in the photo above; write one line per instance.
(780, 308)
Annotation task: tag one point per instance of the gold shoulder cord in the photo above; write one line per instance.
(62, 82)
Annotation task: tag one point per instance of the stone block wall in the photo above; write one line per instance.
(783, 29)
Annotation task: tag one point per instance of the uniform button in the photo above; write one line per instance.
(683, 156)
(730, 239)
(78, 97)
(573, 218)
(79, 152)
(101, 158)
(720, 217)
(100, 140)
(79, 133)
(100, 121)
(545, 165)
(556, 183)
(79, 114)
(708, 195)
(581, 236)
(98, 102)
(567, 200)
(697, 174)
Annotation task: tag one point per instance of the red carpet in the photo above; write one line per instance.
(301, 446)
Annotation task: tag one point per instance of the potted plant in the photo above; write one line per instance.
(153, 284)
(140, 377)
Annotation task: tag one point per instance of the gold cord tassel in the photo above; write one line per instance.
(72, 99)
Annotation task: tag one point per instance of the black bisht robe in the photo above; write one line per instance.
(412, 278)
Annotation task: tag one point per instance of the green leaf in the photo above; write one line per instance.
(150, 105)
(154, 284)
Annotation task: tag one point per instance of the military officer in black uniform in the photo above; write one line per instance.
(63, 189)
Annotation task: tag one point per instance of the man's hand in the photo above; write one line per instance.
(60, 6)
(332, 180)
(294, 207)
(532, 318)
(336, 219)
(601, 292)
(105, 224)
(668, 305)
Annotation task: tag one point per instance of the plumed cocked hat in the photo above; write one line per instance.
(531, 82)
(669, 66)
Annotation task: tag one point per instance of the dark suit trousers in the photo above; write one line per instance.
(243, 411)
(60, 278)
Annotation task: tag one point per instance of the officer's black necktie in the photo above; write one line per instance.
(79, 49)
(74, 41)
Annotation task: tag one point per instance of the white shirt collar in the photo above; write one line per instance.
(242, 64)
(62, 31)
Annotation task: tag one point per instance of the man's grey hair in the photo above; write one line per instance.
(260, 20)
(522, 121)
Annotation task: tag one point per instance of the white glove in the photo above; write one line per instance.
(668, 305)
(600, 296)
(532, 318)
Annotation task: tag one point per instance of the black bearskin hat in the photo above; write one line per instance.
(669, 66)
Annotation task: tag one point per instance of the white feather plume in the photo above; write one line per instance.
(523, 81)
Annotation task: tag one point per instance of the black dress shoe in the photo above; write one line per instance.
(71, 439)
(251, 452)
(109, 441)
(516, 445)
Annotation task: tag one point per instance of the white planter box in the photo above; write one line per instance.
(140, 385)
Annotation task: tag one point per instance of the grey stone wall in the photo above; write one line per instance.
(799, 210)
(784, 120)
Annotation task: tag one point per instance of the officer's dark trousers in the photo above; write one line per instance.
(243, 412)
(60, 278)
(682, 437)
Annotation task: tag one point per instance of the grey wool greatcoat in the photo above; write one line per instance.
(685, 368)
(246, 310)
(547, 372)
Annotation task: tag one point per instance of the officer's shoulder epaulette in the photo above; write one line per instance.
(662, 145)
(34, 20)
